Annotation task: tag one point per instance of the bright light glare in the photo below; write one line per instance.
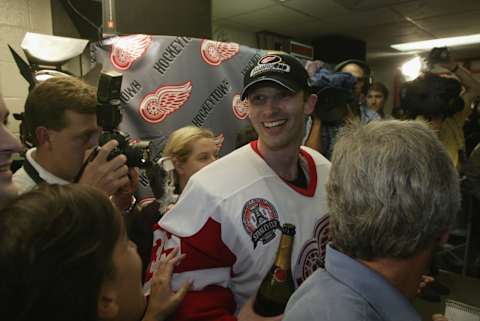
(43, 77)
(412, 68)
(442, 42)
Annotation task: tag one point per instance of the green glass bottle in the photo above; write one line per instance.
(277, 286)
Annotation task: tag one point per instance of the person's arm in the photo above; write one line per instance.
(163, 301)
(472, 85)
(207, 264)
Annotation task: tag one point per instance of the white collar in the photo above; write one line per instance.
(43, 173)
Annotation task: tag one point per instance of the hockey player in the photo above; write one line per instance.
(228, 217)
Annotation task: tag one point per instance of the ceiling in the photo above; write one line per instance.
(378, 22)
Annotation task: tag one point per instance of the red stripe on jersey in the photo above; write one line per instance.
(311, 168)
(205, 249)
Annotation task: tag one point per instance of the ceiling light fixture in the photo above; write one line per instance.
(442, 42)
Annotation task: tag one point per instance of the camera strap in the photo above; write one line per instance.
(32, 172)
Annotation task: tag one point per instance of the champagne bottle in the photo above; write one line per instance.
(277, 286)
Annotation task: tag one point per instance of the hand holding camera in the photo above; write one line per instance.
(106, 175)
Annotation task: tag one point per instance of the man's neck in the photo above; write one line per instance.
(284, 162)
(403, 274)
(42, 158)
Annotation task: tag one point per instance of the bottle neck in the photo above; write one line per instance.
(284, 252)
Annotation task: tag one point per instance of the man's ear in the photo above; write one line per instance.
(107, 306)
(310, 104)
(42, 135)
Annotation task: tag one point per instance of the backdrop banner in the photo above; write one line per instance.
(170, 82)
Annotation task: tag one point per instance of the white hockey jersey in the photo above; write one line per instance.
(227, 222)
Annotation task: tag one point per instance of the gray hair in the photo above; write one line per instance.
(392, 189)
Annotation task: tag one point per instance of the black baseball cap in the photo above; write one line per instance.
(280, 68)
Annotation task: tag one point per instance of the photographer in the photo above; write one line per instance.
(335, 92)
(445, 102)
(61, 122)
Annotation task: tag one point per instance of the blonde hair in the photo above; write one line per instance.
(179, 143)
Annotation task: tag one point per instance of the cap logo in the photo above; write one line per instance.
(270, 63)
(269, 59)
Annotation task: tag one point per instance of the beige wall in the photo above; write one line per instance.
(231, 34)
(16, 18)
(384, 70)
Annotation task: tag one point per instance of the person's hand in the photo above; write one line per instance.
(107, 176)
(123, 197)
(163, 301)
(426, 279)
(439, 317)
(313, 66)
(247, 313)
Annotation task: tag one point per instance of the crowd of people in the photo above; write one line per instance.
(372, 199)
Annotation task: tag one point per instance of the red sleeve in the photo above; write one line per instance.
(213, 303)
(205, 250)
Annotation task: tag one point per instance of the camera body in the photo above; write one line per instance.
(109, 117)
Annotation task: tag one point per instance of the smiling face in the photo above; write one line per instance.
(8, 146)
(278, 115)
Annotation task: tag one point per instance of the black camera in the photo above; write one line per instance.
(109, 117)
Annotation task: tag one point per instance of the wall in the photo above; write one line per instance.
(16, 18)
(385, 70)
(232, 34)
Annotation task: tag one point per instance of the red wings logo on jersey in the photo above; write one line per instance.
(126, 50)
(312, 255)
(240, 108)
(215, 52)
(156, 106)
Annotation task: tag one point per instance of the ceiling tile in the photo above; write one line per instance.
(432, 8)
(397, 29)
(468, 20)
(272, 18)
(368, 18)
(229, 8)
(311, 30)
(378, 22)
(323, 8)
(360, 5)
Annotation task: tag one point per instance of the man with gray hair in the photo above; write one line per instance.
(392, 195)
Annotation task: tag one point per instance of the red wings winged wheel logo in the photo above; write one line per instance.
(215, 52)
(126, 50)
(156, 106)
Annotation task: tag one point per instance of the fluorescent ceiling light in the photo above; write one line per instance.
(442, 42)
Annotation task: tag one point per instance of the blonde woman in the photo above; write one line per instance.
(190, 149)
(186, 151)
